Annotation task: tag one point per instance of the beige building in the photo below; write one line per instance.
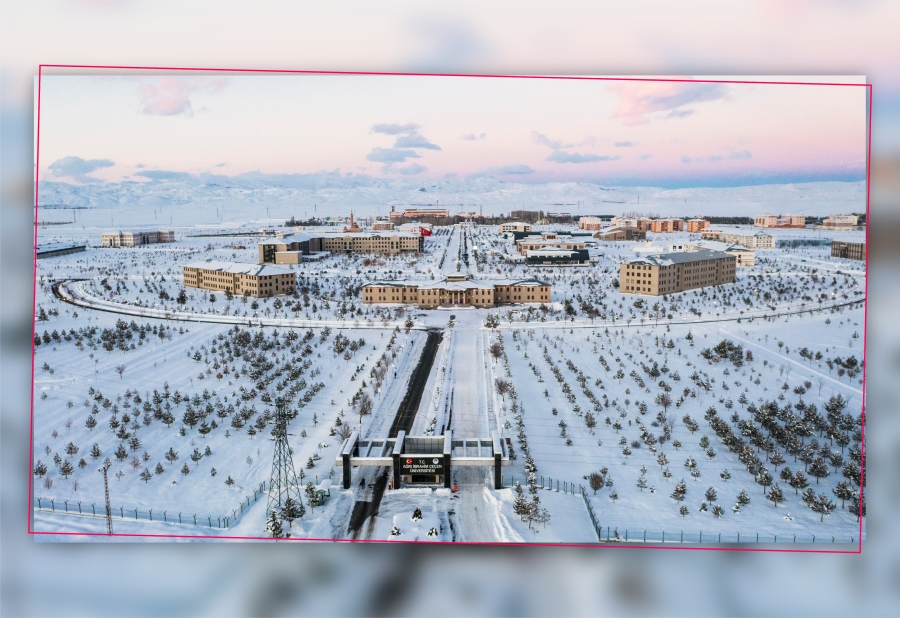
(848, 250)
(548, 240)
(840, 222)
(136, 239)
(240, 279)
(290, 249)
(779, 221)
(418, 213)
(745, 256)
(668, 273)
(382, 226)
(515, 227)
(590, 223)
(387, 243)
(759, 240)
(697, 225)
(621, 233)
(457, 290)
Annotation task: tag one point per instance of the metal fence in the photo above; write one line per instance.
(615, 534)
(78, 508)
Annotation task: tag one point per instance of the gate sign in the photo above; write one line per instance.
(417, 464)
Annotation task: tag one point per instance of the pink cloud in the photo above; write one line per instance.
(171, 96)
(638, 99)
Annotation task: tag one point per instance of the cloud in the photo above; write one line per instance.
(77, 168)
(639, 99)
(644, 156)
(625, 144)
(395, 129)
(220, 165)
(472, 137)
(559, 156)
(391, 155)
(408, 140)
(165, 175)
(686, 159)
(171, 95)
(714, 158)
(411, 169)
(740, 154)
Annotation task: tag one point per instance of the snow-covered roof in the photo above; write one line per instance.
(239, 268)
(680, 257)
(551, 252)
(59, 246)
(392, 284)
(375, 234)
(715, 245)
(295, 237)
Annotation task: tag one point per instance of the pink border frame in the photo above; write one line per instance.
(41, 67)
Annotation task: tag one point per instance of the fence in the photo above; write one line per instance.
(74, 507)
(613, 534)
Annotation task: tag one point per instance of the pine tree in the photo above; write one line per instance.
(159, 469)
(711, 494)
(642, 483)
(95, 451)
(520, 505)
(822, 505)
(66, 468)
(311, 494)
(843, 492)
(185, 470)
(764, 479)
(229, 481)
(292, 510)
(725, 475)
(171, 455)
(799, 481)
(40, 469)
(818, 468)
(776, 495)
(683, 510)
(786, 475)
(855, 505)
(273, 526)
(809, 496)
(90, 422)
(743, 499)
(71, 449)
(717, 511)
(680, 491)
(146, 475)
(703, 507)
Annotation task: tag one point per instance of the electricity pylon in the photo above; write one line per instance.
(104, 469)
(283, 484)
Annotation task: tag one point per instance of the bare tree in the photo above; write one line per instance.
(502, 387)
(596, 481)
(120, 369)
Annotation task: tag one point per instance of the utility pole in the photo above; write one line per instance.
(104, 470)
(284, 483)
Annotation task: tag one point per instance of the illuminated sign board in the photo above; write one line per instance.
(418, 464)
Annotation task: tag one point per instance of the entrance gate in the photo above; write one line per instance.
(427, 460)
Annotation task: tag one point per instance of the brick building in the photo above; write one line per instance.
(136, 239)
(240, 279)
(668, 273)
(457, 290)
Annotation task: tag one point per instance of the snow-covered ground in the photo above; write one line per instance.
(321, 348)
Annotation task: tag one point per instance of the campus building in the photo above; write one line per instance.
(386, 243)
(456, 290)
(745, 256)
(779, 221)
(548, 240)
(418, 213)
(697, 225)
(240, 279)
(759, 240)
(666, 226)
(848, 250)
(668, 273)
(621, 233)
(557, 257)
(382, 226)
(590, 223)
(516, 227)
(56, 249)
(290, 249)
(840, 222)
(135, 239)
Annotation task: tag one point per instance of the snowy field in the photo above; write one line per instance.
(735, 390)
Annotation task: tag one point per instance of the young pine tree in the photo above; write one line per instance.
(776, 495)
(292, 510)
(743, 499)
(273, 526)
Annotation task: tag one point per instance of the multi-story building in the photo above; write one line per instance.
(848, 250)
(557, 257)
(745, 256)
(387, 243)
(779, 221)
(418, 213)
(290, 249)
(621, 233)
(240, 279)
(840, 222)
(697, 225)
(55, 249)
(759, 240)
(136, 238)
(666, 226)
(457, 290)
(668, 273)
(590, 223)
(382, 226)
(548, 240)
(515, 227)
